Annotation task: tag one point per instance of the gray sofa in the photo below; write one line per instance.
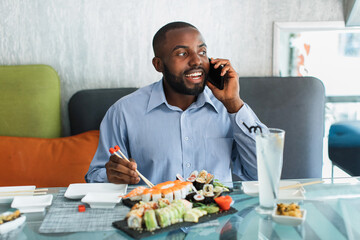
(295, 104)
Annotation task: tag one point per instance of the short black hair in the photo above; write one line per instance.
(160, 35)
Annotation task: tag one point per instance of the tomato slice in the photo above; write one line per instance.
(224, 202)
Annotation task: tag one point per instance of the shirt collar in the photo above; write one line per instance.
(157, 97)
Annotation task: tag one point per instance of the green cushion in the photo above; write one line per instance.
(29, 101)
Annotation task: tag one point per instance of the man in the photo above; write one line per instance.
(181, 123)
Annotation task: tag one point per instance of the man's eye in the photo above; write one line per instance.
(182, 54)
(203, 53)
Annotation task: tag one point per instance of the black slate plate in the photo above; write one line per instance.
(127, 202)
(122, 225)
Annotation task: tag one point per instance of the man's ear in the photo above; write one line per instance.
(158, 65)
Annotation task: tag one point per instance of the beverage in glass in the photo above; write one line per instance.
(269, 152)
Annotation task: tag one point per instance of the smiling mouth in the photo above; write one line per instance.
(195, 76)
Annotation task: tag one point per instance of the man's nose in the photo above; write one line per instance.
(195, 60)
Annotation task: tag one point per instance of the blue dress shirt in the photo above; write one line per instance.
(165, 140)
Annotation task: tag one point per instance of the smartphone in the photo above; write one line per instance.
(214, 76)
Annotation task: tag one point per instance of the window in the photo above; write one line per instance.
(329, 52)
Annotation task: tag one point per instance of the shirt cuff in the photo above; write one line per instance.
(244, 115)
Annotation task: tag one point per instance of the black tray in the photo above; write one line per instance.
(122, 225)
(127, 202)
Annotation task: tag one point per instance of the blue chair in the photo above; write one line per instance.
(344, 146)
(88, 107)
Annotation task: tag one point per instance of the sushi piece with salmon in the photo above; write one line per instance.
(151, 194)
(146, 195)
(192, 176)
(164, 185)
(136, 194)
(155, 194)
(168, 193)
(177, 192)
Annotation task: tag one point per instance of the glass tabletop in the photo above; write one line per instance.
(333, 212)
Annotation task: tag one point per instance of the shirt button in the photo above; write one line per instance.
(186, 138)
(188, 165)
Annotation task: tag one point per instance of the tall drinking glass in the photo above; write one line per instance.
(269, 152)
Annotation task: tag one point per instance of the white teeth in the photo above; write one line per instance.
(196, 74)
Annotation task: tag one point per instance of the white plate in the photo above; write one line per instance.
(252, 188)
(8, 199)
(287, 220)
(28, 204)
(9, 226)
(79, 190)
(101, 199)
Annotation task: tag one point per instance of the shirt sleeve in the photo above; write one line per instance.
(244, 156)
(111, 134)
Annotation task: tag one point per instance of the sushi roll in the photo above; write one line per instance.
(179, 177)
(209, 198)
(177, 182)
(202, 174)
(181, 204)
(136, 194)
(190, 196)
(163, 217)
(150, 220)
(146, 195)
(162, 202)
(177, 209)
(155, 194)
(199, 183)
(208, 188)
(173, 214)
(199, 198)
(177, 192)
(164, 185)
(187, 204)
(192, 176)
(188, 186)
(134, 219)
(168, 193)
(209, 178)
(183, 190)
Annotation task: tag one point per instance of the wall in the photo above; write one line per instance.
(107, 43)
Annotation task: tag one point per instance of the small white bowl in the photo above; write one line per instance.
(27, 204)
(12, 225)
(288, 220)
(101, 199)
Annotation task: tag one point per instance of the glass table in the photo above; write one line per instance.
(333, 212)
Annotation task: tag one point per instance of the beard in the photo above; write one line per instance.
(178, 83)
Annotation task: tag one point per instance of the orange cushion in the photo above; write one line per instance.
(45, 162)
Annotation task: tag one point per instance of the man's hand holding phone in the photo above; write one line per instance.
(230, 94)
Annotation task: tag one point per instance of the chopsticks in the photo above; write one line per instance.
(300, 185)
(117, 149)
(38, 191)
